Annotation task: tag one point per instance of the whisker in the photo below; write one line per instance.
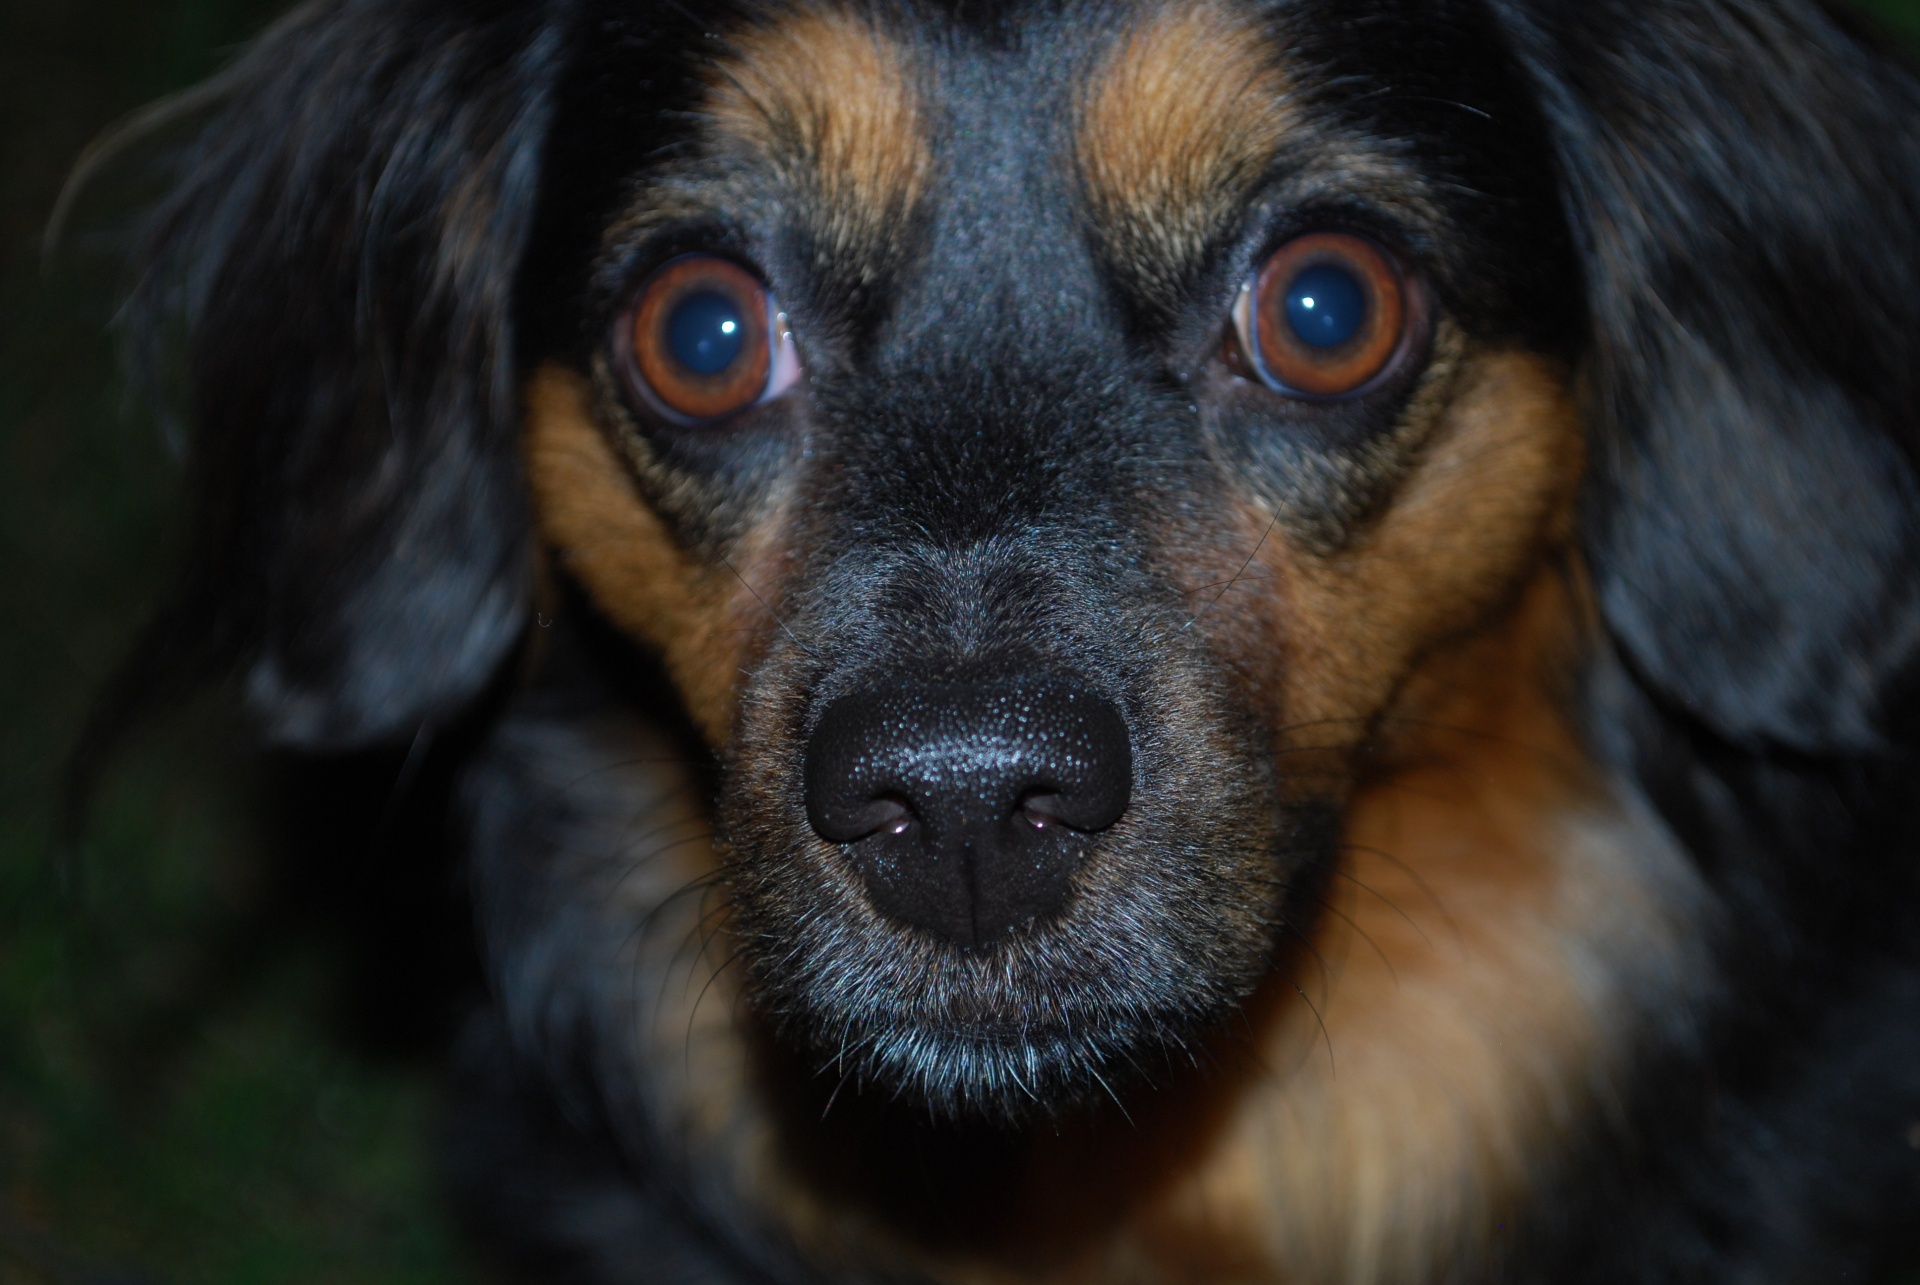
(620, 765)
(698, 883)
(1326, 969)
(778, 619)
(834, 1096)
(1328, 906)
(1101, 1080)
(1340, 870)
(625, 842)
(693, 1014)
(1411, 873)
(1259, 545)
(709, 926)
(639, 863)
(1324, 1033)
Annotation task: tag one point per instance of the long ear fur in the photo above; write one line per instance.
(1743, 181)
(339, 256)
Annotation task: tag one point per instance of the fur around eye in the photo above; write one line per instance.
(1324, 318)
(707, 340)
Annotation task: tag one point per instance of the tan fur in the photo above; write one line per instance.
(592, 515)
(1420, 1114)
(1175, 129)
(830, 101)
(1497, 907)
(1496, 898)
(1492, 485)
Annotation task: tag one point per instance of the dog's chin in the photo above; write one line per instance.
(1061, 1015)
(998, 1077)
(997, 1072)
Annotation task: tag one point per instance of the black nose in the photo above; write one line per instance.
(967, 806)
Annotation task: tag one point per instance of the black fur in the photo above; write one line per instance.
(341, 252)
(1708, 210)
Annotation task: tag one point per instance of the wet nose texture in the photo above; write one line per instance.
(967, 807)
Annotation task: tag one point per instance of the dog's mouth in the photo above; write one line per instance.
(1003, 893)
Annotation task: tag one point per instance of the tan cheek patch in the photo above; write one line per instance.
(589, 511)
(1174, 129)
(830, 102)
(1499, 910)
(1447, 1004)
(1500, 914)
(1494, 485)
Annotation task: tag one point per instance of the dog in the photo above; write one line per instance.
(1102, 640)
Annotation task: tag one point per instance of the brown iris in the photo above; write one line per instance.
(701, 336)
(1324, 316)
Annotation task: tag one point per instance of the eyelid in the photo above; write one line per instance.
(784, 368)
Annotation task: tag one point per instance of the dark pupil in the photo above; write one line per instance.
(1325, 306)
(705, 332)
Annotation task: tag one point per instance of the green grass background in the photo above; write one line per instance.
(173, 1106)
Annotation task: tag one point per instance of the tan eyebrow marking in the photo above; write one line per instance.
(830, 100)
(1174, 129)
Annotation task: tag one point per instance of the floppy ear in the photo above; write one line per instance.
(339, 256)
(1743, 183)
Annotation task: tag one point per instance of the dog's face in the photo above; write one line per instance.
(1042, 448)
(1148, 505)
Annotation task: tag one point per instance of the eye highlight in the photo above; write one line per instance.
(1323, 318)
(708, 340)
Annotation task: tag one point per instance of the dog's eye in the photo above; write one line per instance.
(1324, 317)
(708, 340)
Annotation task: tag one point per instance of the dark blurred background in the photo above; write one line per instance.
(217, 1039)
(218, 1035)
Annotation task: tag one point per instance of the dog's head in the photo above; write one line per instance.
(1039, 448)
(1047, 446)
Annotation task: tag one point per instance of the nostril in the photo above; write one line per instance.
(887, 814)
(1042, 808)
